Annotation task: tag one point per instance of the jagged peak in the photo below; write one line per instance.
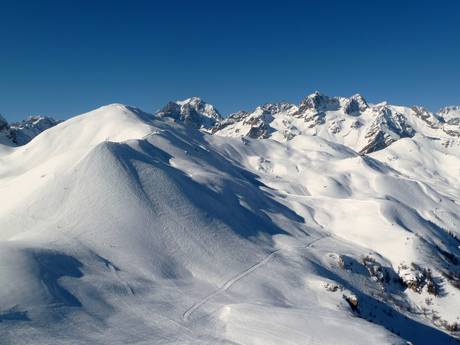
(315, 94)
(34, 120)
(237, 115)
(278, 107)
(381, 104)
(191, 100)
(422, 111)
(355, 105)
(419, 109)
(192, 111)
(199, 105)
(20, 133)
(359, 98)
(450, 113)
(448, 109)
(318, 102)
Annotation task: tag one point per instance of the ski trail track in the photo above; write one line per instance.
(229, 283)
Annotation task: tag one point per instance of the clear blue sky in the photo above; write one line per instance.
(62, 58)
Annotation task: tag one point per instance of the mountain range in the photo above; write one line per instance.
(334, 221)
(351, 121)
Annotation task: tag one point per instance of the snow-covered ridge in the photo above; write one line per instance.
(350, 121)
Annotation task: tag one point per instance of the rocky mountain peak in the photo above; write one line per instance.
(355, 105)
(193, 112)
(274, 108)
(317, 102)
(450, 113)
(429, 118)
(20, 133)
(39, 122)
(387, 127)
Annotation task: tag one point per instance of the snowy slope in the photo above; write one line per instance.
(119, 227)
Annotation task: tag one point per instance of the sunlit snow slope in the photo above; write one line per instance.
(120, 227)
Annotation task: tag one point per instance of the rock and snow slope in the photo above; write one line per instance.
(348, 121)
(193, 112)
(21, 133)
(119, 227)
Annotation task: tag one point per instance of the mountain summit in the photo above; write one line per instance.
(192, 112)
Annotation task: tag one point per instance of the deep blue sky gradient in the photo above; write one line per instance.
(62, 58)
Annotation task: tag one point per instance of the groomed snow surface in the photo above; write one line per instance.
(119, 227)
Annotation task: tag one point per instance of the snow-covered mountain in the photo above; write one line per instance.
(349, 121)
(21, 133)
(450, 113)
(333, 221)
(192, 112)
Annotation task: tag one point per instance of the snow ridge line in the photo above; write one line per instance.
(237, 278)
